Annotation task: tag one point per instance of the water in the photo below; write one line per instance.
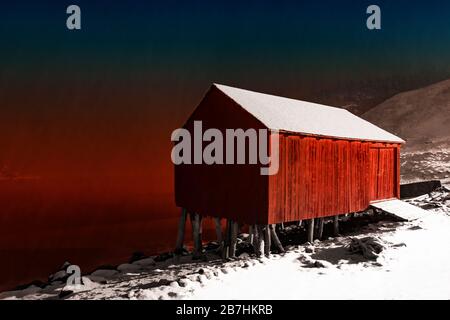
(44, 225)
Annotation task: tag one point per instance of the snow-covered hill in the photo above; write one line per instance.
(422, 116)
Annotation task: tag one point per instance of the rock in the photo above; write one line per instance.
(244, 236)
(183, 282)
(55, 284)
(200, 256)
(145, 262)
(210, 246)
(399, 245)
(322, 264)
(137, 256)
(369, 247)
(65, 265)
(244, 255)
(163, 257)
(32, 289)
(58, 276)
(377, 264)
(202, 278)
(37, 283)
(97, 279)
(64, 293)
(180, 252)
(104, 273)
(18, 294)
(309, 249)
(127, 267)
(307, 261)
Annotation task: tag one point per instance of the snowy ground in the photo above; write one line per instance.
(415, 264)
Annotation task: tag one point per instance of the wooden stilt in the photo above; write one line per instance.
(193, 229)
(282, 226)
(255, 237)
(219, 233)
(251, 235)
(311, 230)
(181, 230)
(226, 244)
(300, 223)
(196, 235)
(275, 238)
(200, 234)
(320, 228)
(336, 225)
(267, 240)
(234, 234)
(258, 240)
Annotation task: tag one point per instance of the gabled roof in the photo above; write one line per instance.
(296, 116)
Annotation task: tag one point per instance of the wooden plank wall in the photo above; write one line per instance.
(383, 173)
(321, 177)
(237, 192)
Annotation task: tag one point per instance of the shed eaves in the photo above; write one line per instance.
(284, 114)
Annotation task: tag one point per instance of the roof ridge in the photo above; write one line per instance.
(218, 85)
(288, 114)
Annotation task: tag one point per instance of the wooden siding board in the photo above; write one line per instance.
(325, 177)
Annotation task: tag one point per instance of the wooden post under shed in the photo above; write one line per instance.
(275, 238)
(320, 228)
(267, 240)
(181, 231)
(196, 222)
(218, 226)
(310, 236)
(227, 241)
(233, 241)
(335, 225)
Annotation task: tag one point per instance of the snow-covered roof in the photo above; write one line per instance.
(284, 114)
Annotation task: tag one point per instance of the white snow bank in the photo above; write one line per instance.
(416, 266)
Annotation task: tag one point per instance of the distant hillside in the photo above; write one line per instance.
(422, 117)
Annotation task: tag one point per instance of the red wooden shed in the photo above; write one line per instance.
(331, 162)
